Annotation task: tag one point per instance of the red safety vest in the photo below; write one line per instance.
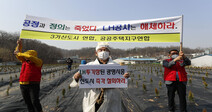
(170, 73)
(30, 72)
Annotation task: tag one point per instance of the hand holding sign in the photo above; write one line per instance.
(126, 75)
(77, 76)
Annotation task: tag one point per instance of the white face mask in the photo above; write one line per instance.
(103, 55)
(174, 56)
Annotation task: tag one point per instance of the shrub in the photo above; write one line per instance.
(156, 92)
(8, 90)
(16, 76)
(189, 80)
(144, 87)
(203, 78)
(63, 92)
(160, 84)
(139, 77)
(132, 80)
(11, 81)
(144, 78)
(57, 101)
(151, 80)
(206, 74)
(190, 96)
(205, 84)
(136, 83)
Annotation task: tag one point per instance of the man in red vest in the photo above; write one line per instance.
(175, 78)
(30, 77)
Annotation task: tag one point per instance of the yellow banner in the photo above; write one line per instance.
(162, 37)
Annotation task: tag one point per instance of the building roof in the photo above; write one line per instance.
(202, 61)
(202, 56)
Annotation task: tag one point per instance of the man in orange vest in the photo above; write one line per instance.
(175, 78)
(30, 77)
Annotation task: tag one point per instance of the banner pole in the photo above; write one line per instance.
(181, 36)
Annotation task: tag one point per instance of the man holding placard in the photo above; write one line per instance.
(99, 78)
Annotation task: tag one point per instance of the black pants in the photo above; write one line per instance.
(69, 67)
(180, 87)
(30, 95)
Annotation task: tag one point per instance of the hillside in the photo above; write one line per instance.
(49, 54)
(117, 53)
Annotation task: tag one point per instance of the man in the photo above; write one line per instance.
(69, 62)
(30, 77)
(101, 100)
(175, 78)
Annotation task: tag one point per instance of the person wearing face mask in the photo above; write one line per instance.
(100, 99)
(175, 78)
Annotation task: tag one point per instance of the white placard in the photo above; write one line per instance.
(102, 76)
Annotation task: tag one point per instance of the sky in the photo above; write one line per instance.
(197, 17)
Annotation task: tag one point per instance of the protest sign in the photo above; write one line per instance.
(151, 30)
(102, 76)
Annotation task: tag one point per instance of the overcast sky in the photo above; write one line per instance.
(197, 17)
